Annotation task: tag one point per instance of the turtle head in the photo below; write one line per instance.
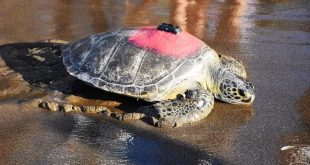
(235, 89)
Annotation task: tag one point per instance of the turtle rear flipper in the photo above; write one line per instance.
(196, 105)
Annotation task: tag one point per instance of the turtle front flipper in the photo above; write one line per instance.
(194, 106)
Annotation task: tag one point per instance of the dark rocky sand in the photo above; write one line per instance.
(271, 37)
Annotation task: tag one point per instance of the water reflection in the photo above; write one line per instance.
(70, 20)
(227, 34)
(97, 15)
(190, 15)
(98, 144)
(139, 14)
(62, 19)
(102, 142)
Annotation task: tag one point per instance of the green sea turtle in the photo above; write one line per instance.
(176, 71)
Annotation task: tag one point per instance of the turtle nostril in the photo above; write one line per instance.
(251, 86)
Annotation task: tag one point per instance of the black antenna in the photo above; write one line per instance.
(169, 28)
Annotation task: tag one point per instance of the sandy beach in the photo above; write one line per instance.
(272, 38)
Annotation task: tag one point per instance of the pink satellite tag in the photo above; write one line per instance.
(178, 45)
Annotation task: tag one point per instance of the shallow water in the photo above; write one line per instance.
(271, 37)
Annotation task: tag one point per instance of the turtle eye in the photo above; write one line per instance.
(250, 86)
(241, 92)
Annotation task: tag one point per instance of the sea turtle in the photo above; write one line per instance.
(176, 71)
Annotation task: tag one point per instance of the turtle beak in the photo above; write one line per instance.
(248, 99)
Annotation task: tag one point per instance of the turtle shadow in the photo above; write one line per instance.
(40, 64)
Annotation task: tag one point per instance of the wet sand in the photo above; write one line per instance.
(272, 38)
